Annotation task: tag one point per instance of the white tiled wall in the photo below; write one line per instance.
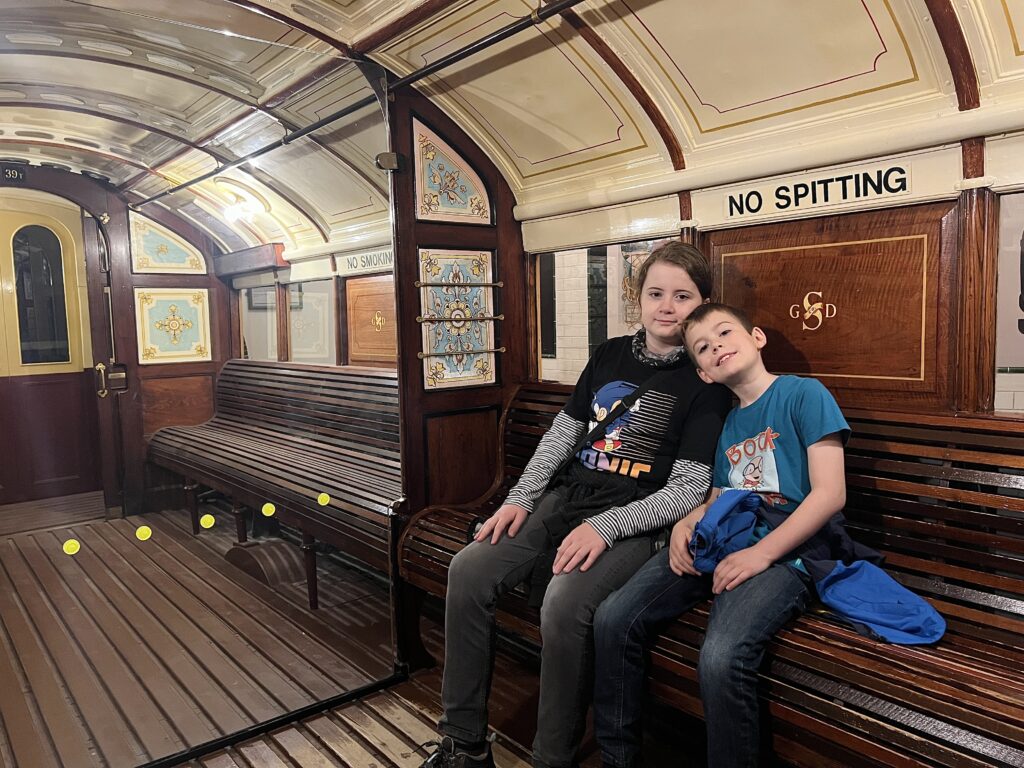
(571, 329)
(1009, 392)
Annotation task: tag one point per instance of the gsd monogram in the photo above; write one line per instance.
(814, 308)
(378, 320)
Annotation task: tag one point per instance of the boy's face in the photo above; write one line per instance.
(723, 348)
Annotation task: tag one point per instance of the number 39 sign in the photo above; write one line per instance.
(12, 174)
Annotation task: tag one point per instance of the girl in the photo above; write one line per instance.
(597, 522)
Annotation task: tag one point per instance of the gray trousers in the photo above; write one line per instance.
(480, 574)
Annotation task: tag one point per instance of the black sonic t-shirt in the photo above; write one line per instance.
(679, 417)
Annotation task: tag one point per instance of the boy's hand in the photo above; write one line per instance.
(679, 558)
(583, 545)
(510, 516)
(738, 567)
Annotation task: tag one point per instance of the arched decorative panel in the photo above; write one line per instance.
(157, 250)
(447, 187)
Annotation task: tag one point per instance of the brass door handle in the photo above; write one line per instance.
(101, 369)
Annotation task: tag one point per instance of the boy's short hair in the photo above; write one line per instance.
(683, 255)
(701, 313)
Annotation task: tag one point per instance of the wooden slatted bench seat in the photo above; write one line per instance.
(285, 433)
(943, 498)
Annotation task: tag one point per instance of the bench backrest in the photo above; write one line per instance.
(943, 499)
(335, 405)
(941, 496)
(529, 415)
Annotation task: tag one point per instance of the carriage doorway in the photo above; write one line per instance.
(48, 414)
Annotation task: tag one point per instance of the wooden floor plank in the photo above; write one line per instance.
(101, 648)
(302, 751)
(314, 670)
(390, 742)
(199, 628)
(45, 514)
(115, 744)
(171, 667)
(257, 596)
(342, 743)
(259, 753)
(23, 742)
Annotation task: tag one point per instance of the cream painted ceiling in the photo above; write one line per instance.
(618, 101)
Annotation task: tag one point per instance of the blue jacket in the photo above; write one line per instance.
(845, 574)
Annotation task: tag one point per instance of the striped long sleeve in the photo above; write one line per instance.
(685, 489)
(554, 448)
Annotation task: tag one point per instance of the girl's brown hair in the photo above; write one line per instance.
(681, 255)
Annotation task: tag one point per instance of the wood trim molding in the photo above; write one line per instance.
(974, 375)
(643, 98)
(393, 29)
(954, 44)
(973, 157)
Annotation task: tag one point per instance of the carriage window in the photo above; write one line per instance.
(311, 322)
(39, 288)
(259, 322)
(1010, 306)
(595, 303)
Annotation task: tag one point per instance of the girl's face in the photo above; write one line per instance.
(667, 298)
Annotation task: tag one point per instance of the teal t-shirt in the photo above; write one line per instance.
(763, 447)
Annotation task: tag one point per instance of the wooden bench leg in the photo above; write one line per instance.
(308, 549)
(192, 504)
(240, 530)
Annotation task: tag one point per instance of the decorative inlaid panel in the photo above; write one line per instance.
(447, 187)
(173, 325)
(158, 250)
(455, 297)
(372, 330)
(861, 301)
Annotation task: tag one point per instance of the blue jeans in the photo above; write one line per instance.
(741, 624)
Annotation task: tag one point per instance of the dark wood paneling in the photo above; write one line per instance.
(371, 326)
(451, 438)
(392, 29)
(862, 302)
(514, 300)
(176, 401)
(976, 307)
(53, 425)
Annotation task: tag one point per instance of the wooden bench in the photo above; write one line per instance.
(943, 498)
(286, 433)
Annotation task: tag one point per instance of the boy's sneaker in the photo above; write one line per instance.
(447, 755)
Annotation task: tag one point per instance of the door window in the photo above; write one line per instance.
(39, 294)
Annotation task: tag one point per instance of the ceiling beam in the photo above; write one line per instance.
(270, 13)
(643, 98)
(954, 44)
(393, 29)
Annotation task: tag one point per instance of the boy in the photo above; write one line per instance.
(785, 442)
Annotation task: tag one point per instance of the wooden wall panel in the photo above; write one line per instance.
(176, 401)
(462, 449)
(426, 413)
(51, 436)
(864, 301)
(370, 319)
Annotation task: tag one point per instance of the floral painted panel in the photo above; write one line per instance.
(157, 250)
(447, 188)
(456, 288)
(173, 325)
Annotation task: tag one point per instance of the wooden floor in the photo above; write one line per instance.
(131, 650)
(51, 513)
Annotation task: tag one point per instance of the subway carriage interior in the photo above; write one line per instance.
(290, 291)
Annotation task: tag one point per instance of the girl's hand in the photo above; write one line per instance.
(738, 567)
(581, 547)
(510, 516)
(679, 558)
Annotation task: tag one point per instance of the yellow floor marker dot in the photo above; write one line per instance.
(323, 499)
(269, 509)
(143, 533)
(207, 521)
(71, 547)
